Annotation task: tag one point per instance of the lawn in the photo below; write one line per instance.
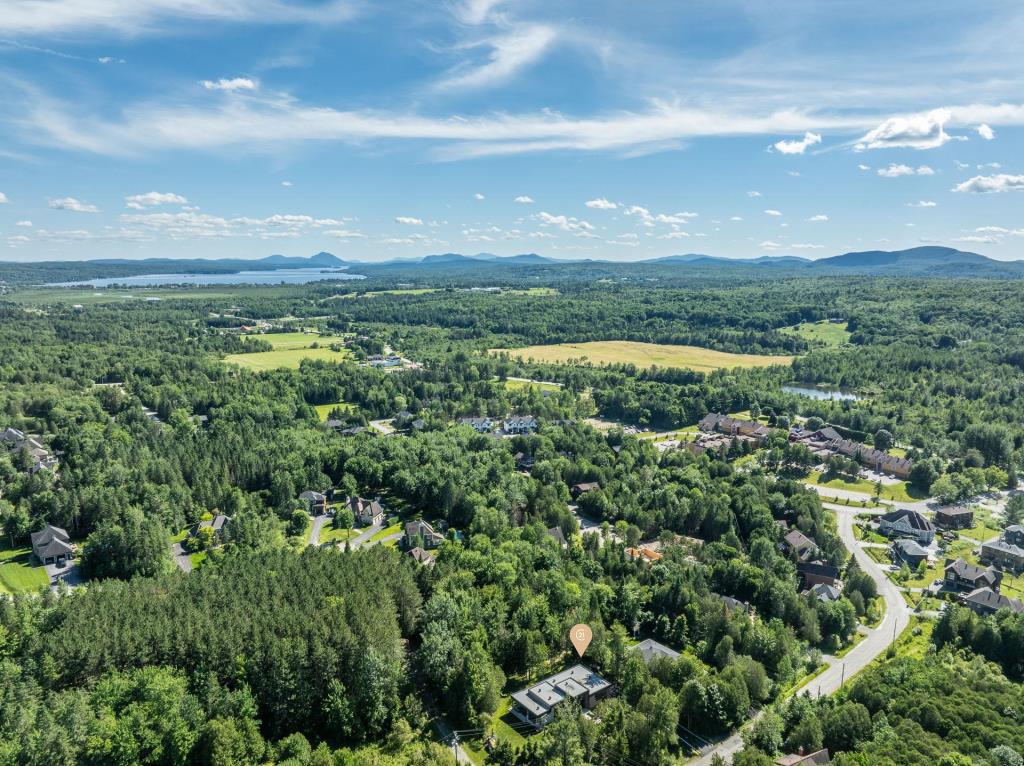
(17, 575)
(501, 722)
(985, 527)
(519, 385)
(643, 355)
(857, 638)
(98, 295)
(290, 348)
(332, 534)
(386, 532)
(324, 411)
(824, 332)
(901, 492)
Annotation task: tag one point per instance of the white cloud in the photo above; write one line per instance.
(862, 166)
(986, 132)
(286, 183)
(769, 245)
(992, 165)
(510, 52)
(773, 213)
(962, 165)
(132, 17)
(1000, 230)
(818, 217)
(542, 235)
(675, 235)
(753, 194)
(895, 171)
(478, 195)
(798, 146)
(806, 246)
(111, 60)
(24, 224)
(630, 235)
(344, 234)
(922, 203)
(3, 199)
(523, 199)
(601, 204)
(991, 184)
(736, 218)
(398, 241)
(572, 225)
(916, 131)
(980, 239)
(232, 84)
(794, 173)
(72, 204)
(408, 220)
(152, 199)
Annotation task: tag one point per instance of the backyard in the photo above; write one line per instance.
(17, 575)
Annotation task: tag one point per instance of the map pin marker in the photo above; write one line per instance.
(580, 635)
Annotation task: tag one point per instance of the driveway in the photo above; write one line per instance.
(314, 530)
(68, 574)
(181, 557)
(877, 640)
(363, 537)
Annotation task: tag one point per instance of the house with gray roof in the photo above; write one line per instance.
(908, 552)
(985, 601)
(651, 650)
(964, 576)
(481, 425)
(52, 545)
(907, 523)
(1002, 553)
(520, 424)
(536, 704)
(366, 512)
(824, 592)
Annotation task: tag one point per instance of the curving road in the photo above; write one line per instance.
(897, 617)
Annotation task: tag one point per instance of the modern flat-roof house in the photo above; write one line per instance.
(961, 575)
(52, 545)
(421, 534)
(480, 425)
(536, 704)
(520, 424)
(954, 517)
(316, 502)
(366, 512)
(907, 523)
(985, 601)
(909, 552)
(1002, 553)
(651, 650)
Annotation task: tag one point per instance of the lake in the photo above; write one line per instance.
(269, 277)
(821, 393)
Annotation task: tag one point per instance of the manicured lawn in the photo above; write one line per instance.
(644, 355)
(17, 575)
(901, 492)
(985, 527)
(332, 534)
(197, 559)
(324, 411)
(386, 532)
(500, 723)
(824, 332)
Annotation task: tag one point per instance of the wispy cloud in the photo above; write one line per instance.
(986, 132)
(896, 170)
(3, 199)
(72, 204)
(601, 204)
(574, 226)
(152, 199)
(510, 53)
(773, 213)
(922, 203)
(232, 84)
(524, 200)
(408, 220)
(991, 184)
(818, 217)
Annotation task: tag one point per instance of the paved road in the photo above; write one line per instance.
(897, 617)
(314, 530)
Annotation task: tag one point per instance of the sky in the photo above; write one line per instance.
(598, 129)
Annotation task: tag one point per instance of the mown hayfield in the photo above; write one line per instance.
(290, 348)
(643, 355)
(824, 332)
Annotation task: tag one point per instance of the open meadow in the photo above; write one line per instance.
(643, 355)
(290, 349)
(824, 332)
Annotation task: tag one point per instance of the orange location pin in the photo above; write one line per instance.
(581, 635)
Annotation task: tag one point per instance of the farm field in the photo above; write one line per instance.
(643, 355)
(99, 295)
(825, 332)
(290, 349)
(16, 573)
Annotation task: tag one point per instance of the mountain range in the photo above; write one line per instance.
(918, 261)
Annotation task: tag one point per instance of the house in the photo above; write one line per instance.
(644, 554)
(732, 604)
(954, 517)
(522, 424)
(11, 436)
(800, 545)
(524, 462)
(377, 360)
(985, 601)
(218, 523)
(819, 758)
(651, 650)
(828, 441)
(420, 534)
(909, 552)
(536, 704)
(907, 523)
(51, 545)
(587, 486)
(824, 592)
(1002, 553)
(420, 556)
(812, 573)
(1014, 534)
(961, 575)
(556, 534)
(749, 430)
(316, 502)
(366, 512)
(480, 425)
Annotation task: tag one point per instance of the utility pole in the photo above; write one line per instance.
(842, 676)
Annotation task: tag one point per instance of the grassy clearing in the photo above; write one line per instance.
(386, 532)
(324, 411)
(534, 291)
(289, 350)
(824, 332)
(901, 492)
(332, 534)
(985, 526)
(501, 724)
(375, 293)
(519, 385)
(99, 295)
(17, 575)
(643, 355)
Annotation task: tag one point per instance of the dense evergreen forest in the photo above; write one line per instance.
(272, 651)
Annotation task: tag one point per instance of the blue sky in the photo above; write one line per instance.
(620, 130)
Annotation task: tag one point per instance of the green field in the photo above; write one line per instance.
(332, 534)
(519, 385)
(643, 355)
(290, 348)
(39, 296)
(17, 575)
(901, 492)
(823, 332)
(323, 411)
